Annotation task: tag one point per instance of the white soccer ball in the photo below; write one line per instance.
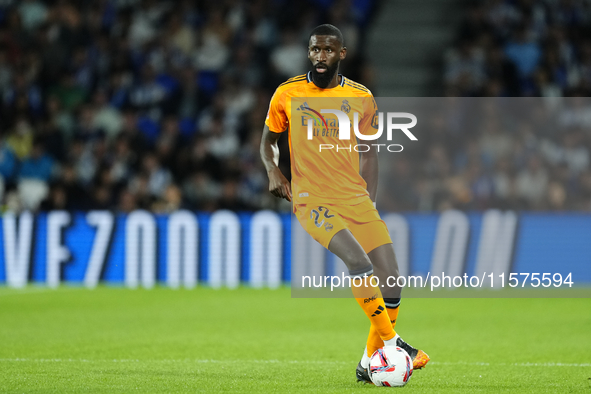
(390, 366)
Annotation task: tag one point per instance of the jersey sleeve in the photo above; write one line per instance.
(277, 115)
(369, 123)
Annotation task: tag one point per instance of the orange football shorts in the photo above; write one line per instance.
(322, 222)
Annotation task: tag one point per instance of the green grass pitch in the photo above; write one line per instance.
(115, 340)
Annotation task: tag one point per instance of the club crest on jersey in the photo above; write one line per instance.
(345, 107)
(328, 226)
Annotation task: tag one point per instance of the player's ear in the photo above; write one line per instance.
(343, 53)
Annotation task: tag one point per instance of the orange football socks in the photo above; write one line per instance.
(374, 341)
(369, 298)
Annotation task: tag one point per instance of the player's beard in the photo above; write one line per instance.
(323, 79)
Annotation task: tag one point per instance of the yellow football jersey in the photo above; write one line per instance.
(324, 167)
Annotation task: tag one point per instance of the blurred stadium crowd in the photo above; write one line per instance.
(522, 48)
(126, 104)
(526, 153)
(515, 48)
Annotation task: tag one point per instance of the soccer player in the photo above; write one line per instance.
(333, 192)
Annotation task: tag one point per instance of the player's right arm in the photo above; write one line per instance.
(279, 186)
(275, 124)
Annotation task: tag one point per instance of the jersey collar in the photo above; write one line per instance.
(309, 78)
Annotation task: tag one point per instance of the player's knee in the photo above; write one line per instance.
(386, 267)
(357, 261)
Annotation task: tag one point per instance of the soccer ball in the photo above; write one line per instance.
(390, 366)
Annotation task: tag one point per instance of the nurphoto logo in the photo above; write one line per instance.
(320, 126)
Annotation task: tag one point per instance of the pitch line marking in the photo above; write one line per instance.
(527, 364)
(335, 362)
(13, 292)
(9, 291)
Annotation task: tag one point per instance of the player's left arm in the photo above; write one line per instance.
(368, 161)
(369, 169)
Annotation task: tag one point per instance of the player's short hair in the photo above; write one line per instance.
(328, 30)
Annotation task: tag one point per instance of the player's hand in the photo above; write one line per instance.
(279, 186)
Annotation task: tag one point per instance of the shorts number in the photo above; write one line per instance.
(315, 214)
